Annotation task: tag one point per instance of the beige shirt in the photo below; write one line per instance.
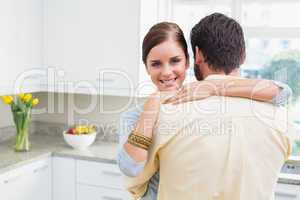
(219, 148)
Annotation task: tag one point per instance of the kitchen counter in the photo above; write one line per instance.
(45, 146)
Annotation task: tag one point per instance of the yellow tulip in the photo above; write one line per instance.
(35, 102)
(21, 96)
(7, 99)
(27, 97)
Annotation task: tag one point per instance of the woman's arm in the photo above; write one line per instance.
(131, 159)
(127, 122)
(256, 89)
(144, 127)
(261, 90)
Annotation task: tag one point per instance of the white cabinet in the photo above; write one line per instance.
(21, 44)
(86, 192)
(77, 46)
(287, 192)
(96, 45)
(83, 37)
(86, 180)
(40, 180)
(99, 181)
(29, 182)
(63, 185)
(99, 174)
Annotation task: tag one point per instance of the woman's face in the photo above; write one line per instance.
(166, 64)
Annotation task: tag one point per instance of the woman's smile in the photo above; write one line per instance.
(169, 82)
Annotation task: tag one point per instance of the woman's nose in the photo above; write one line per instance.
(167, 70)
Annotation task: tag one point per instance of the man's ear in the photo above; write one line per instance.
(199, 58)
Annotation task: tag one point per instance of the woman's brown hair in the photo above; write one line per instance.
(161, 32)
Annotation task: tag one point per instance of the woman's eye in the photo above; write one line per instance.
(175, 60)
(155, 64)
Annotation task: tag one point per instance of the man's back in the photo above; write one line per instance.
(221, 148)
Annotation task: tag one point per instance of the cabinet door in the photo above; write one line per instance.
(287, 192)
(13, 185)
(85, 192)
(41, 179)
(99, 174)
(21, 44)
(63, 178)
(30, 182)
(94, 41)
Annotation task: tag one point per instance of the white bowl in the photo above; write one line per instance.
(80, 141)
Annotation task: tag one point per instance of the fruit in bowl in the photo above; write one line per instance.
(81, 136)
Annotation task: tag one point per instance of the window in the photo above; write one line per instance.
(272, 33)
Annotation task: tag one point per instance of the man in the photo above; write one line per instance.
(217, 148)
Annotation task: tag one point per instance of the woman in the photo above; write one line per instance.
(166, 59)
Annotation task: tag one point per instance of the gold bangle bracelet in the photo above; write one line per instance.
(139, 140)
(142, 136)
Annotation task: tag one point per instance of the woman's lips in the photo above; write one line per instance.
(169, 82)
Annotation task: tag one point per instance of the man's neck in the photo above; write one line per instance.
(208, 73)
(235, 72)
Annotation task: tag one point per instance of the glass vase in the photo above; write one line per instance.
(22, 121)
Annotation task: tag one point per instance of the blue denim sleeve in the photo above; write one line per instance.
(126, 164)
(151, 193)
(284, 95)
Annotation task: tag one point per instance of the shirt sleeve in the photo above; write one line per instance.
(283, 96)
(126, 164)
(151, 193)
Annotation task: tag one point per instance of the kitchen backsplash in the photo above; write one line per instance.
(9, 132)
(106, 132)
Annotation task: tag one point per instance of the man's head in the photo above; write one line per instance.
(218, 45)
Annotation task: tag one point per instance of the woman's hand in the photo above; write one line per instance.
(195, 91)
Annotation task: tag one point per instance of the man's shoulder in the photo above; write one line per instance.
(219, 105)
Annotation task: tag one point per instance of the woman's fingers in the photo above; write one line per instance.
(192, 92)
(169, 99)
(176, 97)
(182, 100)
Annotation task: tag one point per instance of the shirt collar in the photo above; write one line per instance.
(221, 76)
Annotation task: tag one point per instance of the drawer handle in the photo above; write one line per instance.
(111, 173)
(285, 194)
(40, 169)
(111, 198)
